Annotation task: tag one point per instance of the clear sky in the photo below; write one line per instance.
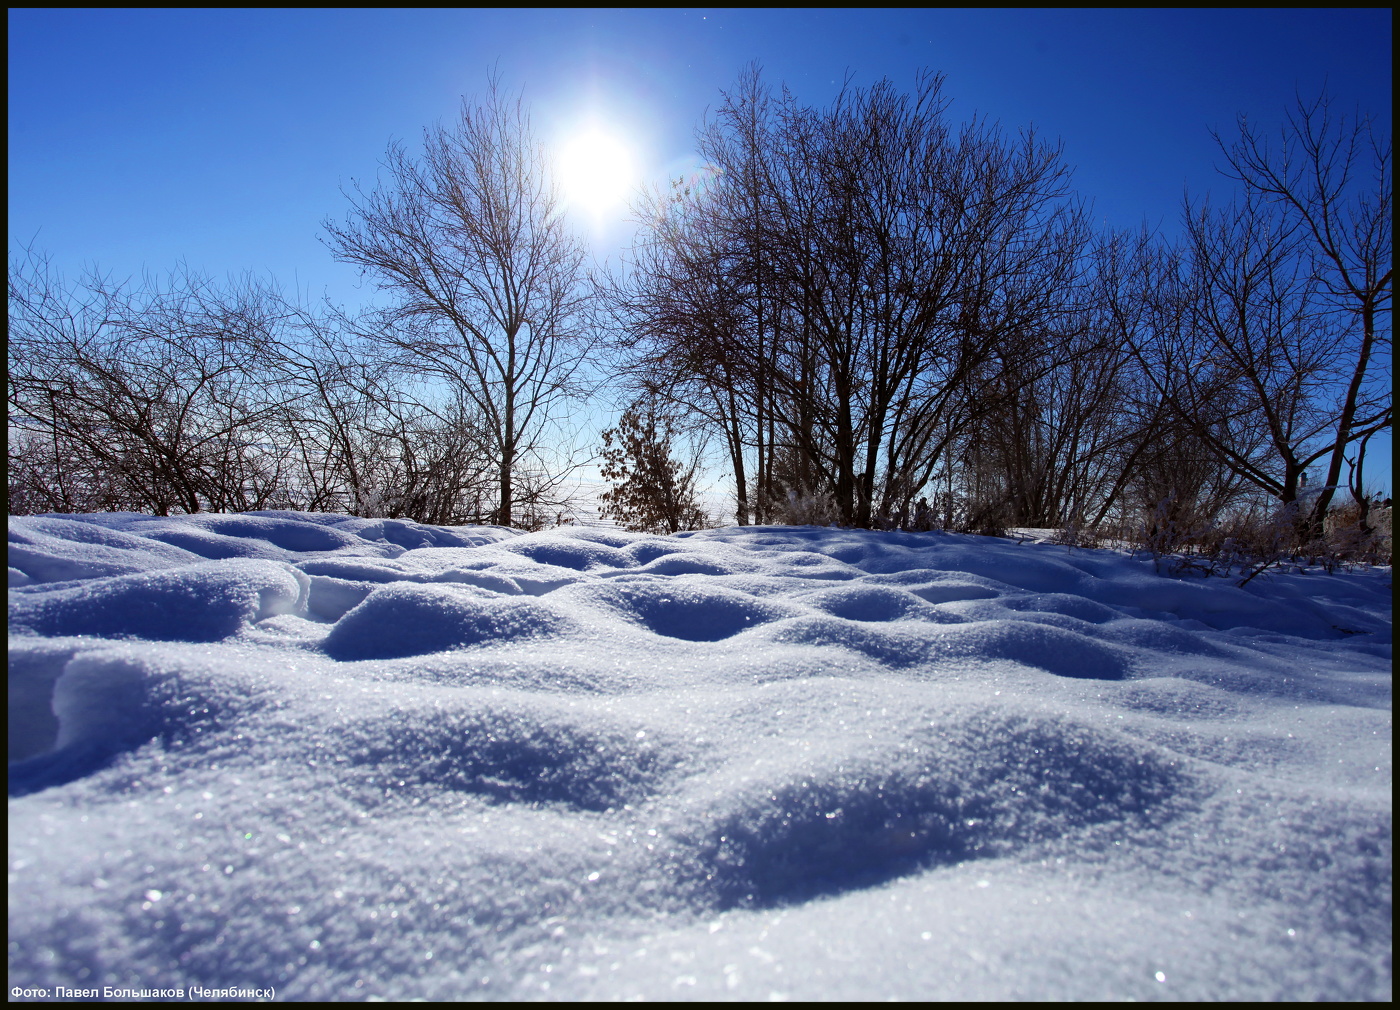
(142, 138)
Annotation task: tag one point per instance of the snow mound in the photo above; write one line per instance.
(197, 603)
(413, 619)
(875, 603)
(674, 608)
(981, 785)
(53, 549)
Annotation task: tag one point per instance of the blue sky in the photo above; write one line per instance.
(142, 138)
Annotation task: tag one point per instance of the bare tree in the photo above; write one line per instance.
(1331, 178)
(861, 284)
(1282, 361)
(368, 440)
(686, 322)
(485, 277)
(157, 397)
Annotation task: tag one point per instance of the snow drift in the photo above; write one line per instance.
(343, 758)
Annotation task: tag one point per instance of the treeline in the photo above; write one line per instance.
(881, 318)
(887, 319)
(177, 396)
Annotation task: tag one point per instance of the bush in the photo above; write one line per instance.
(1247, 542)
(652, 491)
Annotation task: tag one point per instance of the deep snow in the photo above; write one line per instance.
(352, 758)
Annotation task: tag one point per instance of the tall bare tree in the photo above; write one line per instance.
(1330, 178)
(862, 282)
(483, 273)
(1279, 358)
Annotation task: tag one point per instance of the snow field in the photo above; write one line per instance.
(351, 758)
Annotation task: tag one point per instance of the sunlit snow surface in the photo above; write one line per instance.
(347, 758)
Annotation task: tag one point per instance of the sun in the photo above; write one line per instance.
(597, 171)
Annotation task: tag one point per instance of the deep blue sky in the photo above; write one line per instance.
(222, 138)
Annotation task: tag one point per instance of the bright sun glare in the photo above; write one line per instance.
(596, 171)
